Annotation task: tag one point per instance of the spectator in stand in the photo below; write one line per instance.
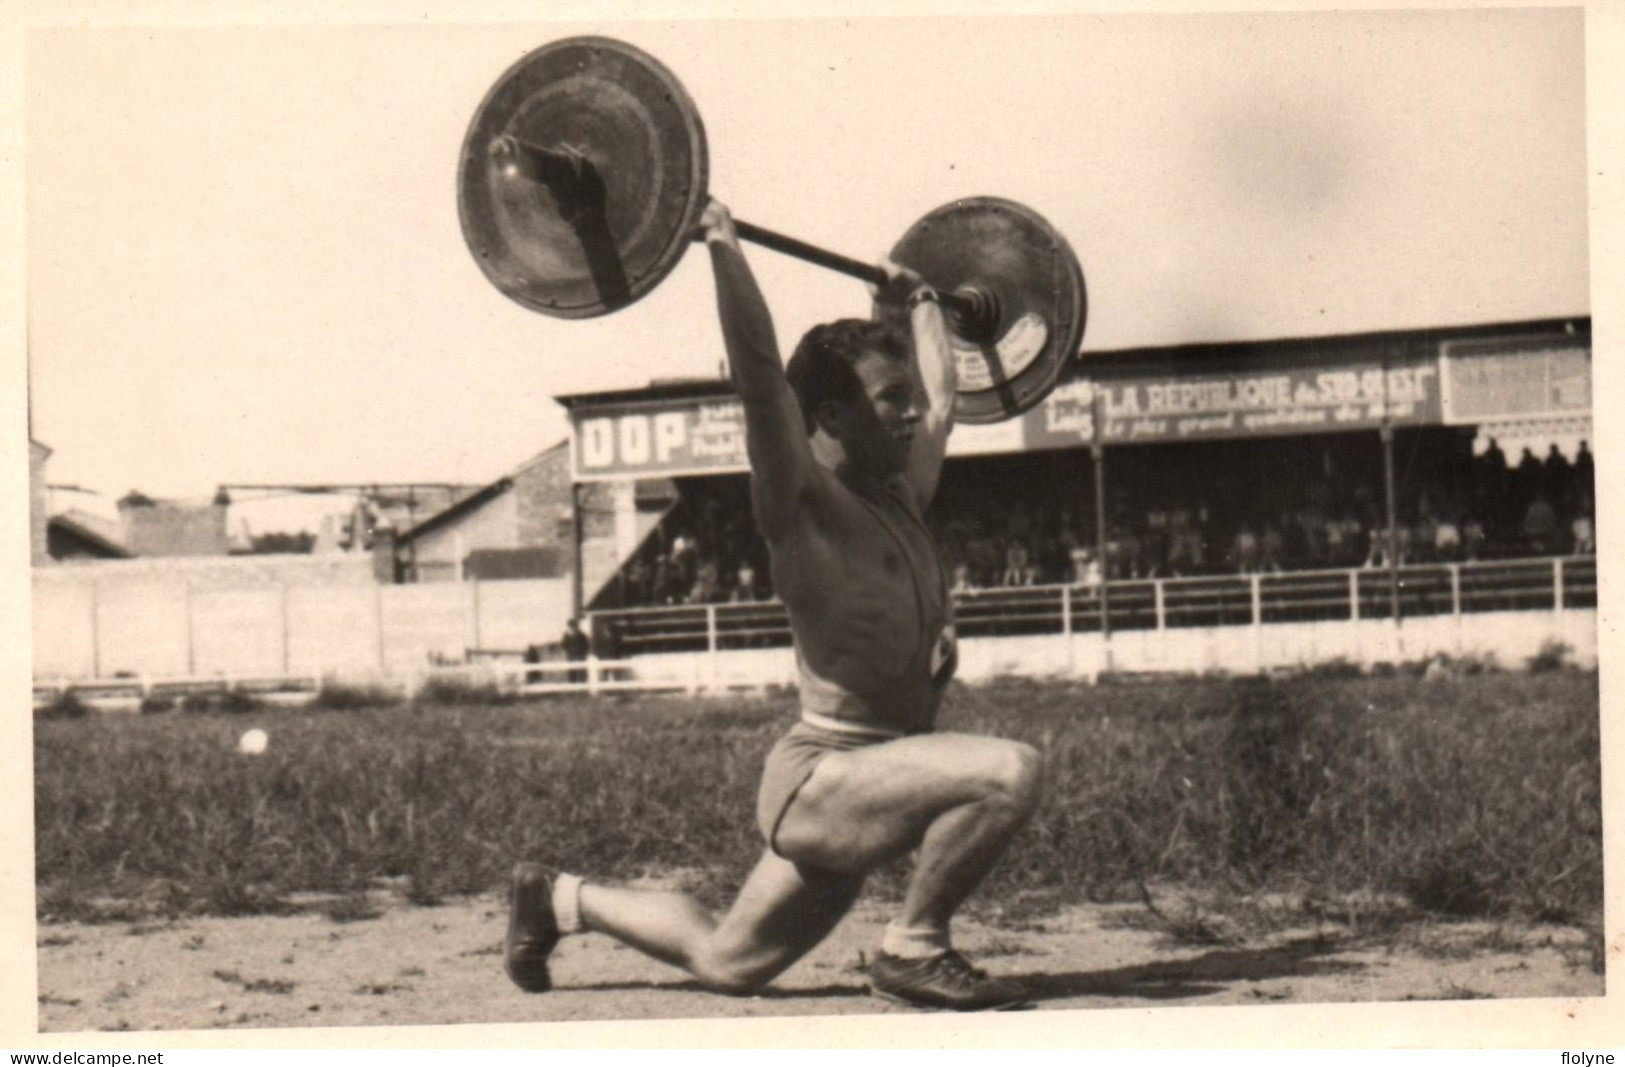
(706, 588)
(1585, 474)
(1584, 530)
(637, 581)
(577, 647)
(1540, 526)
(1377, 553)
(1244, 550)
(1017, 562)
(1078, 557)
(744, 582)
(1446, 541)
(661, 582)
(1526, 479)
(1155, 542)
(982, 555)
(1473, 538)
(1556, 476)
(1272, 548)
(1085, 567)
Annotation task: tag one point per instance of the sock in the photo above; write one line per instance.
(567, 903)
(914, 942)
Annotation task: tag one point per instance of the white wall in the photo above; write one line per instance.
(150, 624)
(1509, 639)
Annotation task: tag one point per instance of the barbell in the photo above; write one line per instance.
(583, 177)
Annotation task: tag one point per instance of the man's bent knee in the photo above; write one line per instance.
(730, 977)
(1020, 775)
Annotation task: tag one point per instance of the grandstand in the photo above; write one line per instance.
(1379, 476)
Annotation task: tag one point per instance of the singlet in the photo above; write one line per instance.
(912, 708)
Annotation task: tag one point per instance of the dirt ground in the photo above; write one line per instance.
(440, 965)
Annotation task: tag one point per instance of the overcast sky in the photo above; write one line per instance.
(244, 261)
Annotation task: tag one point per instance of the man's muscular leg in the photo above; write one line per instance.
(956, 798)
(781, 913)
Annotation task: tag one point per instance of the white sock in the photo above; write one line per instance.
(915, 942)
(567, 903)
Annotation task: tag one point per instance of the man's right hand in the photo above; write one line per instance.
(717, 224)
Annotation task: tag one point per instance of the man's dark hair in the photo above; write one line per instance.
(820, 369)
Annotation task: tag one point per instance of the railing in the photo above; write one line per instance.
(1160, 604)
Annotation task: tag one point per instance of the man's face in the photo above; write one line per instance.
(878, 425)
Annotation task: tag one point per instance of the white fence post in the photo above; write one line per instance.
(1455, 589)
(1161, 603)
(1066, 630)
(1557, 585)
(1354, 596)
(711, 643)
(1257, 584)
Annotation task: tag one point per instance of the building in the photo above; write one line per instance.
(523, 525)
(172, 527)
(79, 535)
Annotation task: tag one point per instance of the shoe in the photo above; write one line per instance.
(942, 981)
(533, 929)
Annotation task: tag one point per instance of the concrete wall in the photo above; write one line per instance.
(1508, 639)
(135, 617)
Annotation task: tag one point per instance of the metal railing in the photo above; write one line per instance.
(1551, 584)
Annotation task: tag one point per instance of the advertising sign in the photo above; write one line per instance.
(1491, 381)
(1253, 404)
(689, 437)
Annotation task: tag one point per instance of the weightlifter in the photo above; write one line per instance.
(846, 445)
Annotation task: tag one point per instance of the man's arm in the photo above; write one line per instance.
(937, 377)
(781, 459)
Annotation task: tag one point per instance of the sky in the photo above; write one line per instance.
(243, 261)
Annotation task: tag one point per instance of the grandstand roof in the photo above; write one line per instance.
(1302, 351)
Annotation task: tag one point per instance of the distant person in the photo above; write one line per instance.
(744, 582)
(577, 647)
(1540, 526)
(1555, 475)
(1585, 473)
(1473, 538)
(1584, 531)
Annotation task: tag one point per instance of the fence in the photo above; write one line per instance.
(167, 639)
(1162, 604)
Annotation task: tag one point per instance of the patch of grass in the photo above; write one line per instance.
(352, 909)
(345, 696)
(1553, 656)
(453, 691)
(1366, 800)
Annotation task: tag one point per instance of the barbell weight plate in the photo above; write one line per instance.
(1010, 252)
(632, 120)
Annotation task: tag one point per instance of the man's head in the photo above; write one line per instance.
(853, 381)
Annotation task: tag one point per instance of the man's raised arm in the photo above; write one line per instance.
(781, 459)
(937, 377)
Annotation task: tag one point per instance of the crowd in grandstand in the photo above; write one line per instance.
(1258, 512)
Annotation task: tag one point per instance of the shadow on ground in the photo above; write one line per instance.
(1199, 976)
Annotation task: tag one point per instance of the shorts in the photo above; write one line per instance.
(789, 765)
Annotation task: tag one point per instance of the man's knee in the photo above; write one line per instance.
(1019, 774)
(721, 973)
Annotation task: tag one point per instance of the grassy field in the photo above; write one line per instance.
(1473, 796)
